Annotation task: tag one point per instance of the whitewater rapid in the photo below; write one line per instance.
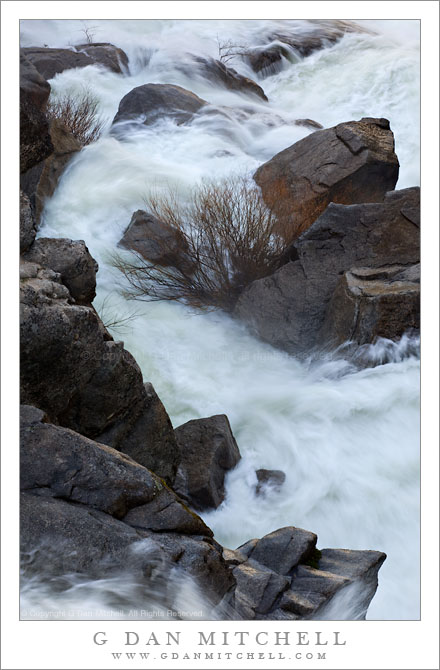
(348, 440)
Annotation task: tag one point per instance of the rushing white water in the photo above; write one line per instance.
(347, 439)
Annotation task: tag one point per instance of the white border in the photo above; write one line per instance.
(389, 645)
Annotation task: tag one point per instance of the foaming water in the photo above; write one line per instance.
(346, 435)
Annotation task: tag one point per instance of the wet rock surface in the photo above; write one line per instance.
(351, 163)
(148, 103)
(153, 239)
(288, 308)
(35, 141)
(50, 62)
(40, 182)
(208, 450)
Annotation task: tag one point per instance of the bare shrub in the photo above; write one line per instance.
(79, 113)
(226, 239)
(228, 50)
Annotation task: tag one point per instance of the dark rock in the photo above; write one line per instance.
(223, 75)
(313, 35)
(72, 261)
(71, 369)
(73, 538)
(283, 549)
(50, 62)
(233, 557)
(41, 180)
(288, 308)
(268, 59)
(309, 123)
(80, 470)
(200, 557)
(272, 479)
(247, 548)
(28, 228)
(257, 589)
(80, 538)
(150, 102)
(207, 451)
(371, 303)
(167, 513)
(351, 163)
(106, 54)
(35, 142)
(154, 240)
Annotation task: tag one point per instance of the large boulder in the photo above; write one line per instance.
(154, 240)
(148, 103)
(72, 260)
(208, 450)
(40, 182)
(73, 370)
(35, 141)
(104, 53)
(28, 227)
(288, 308)
(351, 163)
(283, 576)
(369, 303)
(70, 466)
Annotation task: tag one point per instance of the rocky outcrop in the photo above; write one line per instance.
(288, 308)
(75, 494)
(73, 370)
(208, 450)
(369, 303)
(154, 240)
(91, 510)
(351, 163)
(72, 261)
(267, 59)
(40, 182)
(50, 62)
(148, 103)
(35, 141)
(28, 228)
(283, 576)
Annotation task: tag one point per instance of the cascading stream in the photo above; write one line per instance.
(347, 439)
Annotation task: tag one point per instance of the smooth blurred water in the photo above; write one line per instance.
(348, 440)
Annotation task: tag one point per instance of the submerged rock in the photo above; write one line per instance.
(351, 163)
(292, 44)
(223, 75)
(288, 308)
(148, 103)
(269, 479)
(208, 450)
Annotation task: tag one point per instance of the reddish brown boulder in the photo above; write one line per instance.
(351, 163)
